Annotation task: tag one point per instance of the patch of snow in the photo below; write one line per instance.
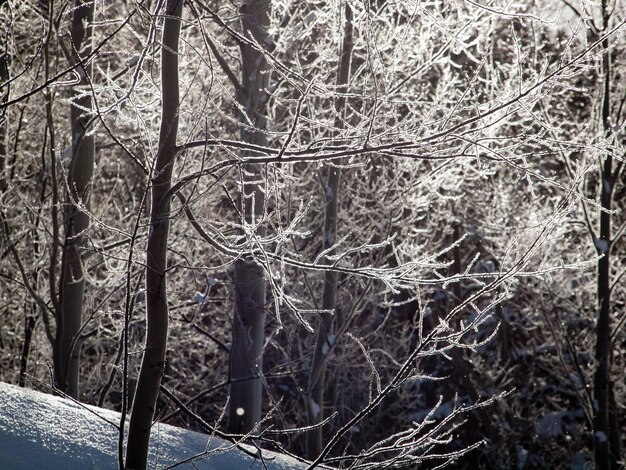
(522, 457)
(329, 193)
(46, 432)
(199, 298)
(579, 462)
(315, 408)
(329, 238)
(601, 245)
(67, 153)
(576, 380)
(550, 425)
(330, 340)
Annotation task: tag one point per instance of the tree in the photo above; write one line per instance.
(77, 206)
(153, 361)
(592, 141)
(606, 430)
(248, 325)
(325, 336)
(5, 63)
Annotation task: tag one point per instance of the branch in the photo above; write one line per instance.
(220, 59)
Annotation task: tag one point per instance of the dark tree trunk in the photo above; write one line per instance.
(153, 361)
(80, 172)
(606, 458)
(246, 357)
(317, 379)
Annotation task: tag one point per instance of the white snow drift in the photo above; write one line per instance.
(42, 431)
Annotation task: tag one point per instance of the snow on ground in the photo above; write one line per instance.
(39, 431)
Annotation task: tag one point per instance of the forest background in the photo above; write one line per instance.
(370, 233)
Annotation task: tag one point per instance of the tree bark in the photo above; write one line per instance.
(76, 216)
(153, 360)
(246, 357)
(605, 457)
(317, 380)
(4, 119)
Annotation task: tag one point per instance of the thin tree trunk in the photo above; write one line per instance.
(4, 120)
(29, 326)
(615, 437)
(603, 452)
(246, 357)
(76, 215)
(153, 361)
(317, 380)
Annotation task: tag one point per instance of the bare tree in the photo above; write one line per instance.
(602, 149)
(325, 338)
(76, 209)
(246, 355)
(4, 124)
(153, 361)
(606, 434)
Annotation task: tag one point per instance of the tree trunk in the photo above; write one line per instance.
(153, 360)
(246, 358)
(29, 326)
(4, 120)
(76, 210)
(317, 380)
(604, 456)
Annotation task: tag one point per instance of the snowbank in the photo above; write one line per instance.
(43, 431)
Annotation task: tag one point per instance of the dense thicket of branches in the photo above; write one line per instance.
(454, 297)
